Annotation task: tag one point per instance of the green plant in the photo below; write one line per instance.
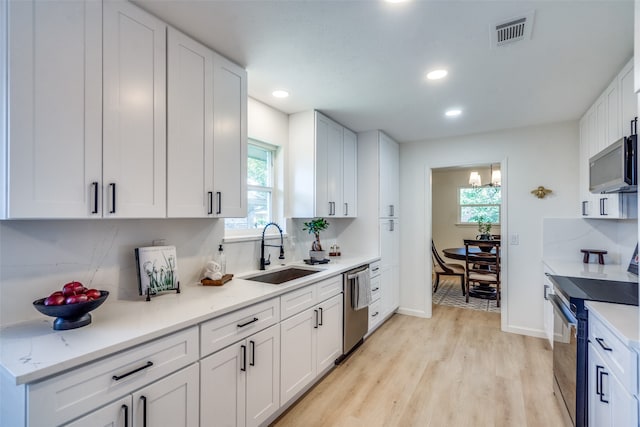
(484, 225)
(315, 226)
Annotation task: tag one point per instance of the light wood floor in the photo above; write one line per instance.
(456, 369)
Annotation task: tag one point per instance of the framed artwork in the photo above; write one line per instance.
(157, 268)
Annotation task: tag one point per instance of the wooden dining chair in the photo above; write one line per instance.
(483, 267)
(442, 268)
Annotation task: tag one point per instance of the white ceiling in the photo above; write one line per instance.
(363, 62)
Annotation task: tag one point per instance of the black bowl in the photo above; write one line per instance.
(70, 316)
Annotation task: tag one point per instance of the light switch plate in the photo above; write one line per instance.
(514, 238)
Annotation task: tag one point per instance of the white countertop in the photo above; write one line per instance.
(591, 271)
(622, 319)
(31, 351)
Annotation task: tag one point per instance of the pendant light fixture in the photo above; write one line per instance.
(496, 179)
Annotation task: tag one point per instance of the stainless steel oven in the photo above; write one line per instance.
(565, 353)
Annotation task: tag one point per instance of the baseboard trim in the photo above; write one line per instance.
(537, 333)
(412, 312)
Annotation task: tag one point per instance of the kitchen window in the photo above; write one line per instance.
(260, 190)
(475, 202)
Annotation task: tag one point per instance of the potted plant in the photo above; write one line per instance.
(315, 226)
(484, 228)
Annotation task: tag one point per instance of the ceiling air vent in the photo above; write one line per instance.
(512, 30)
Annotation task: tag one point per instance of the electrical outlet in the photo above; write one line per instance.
(514, 239)
(159, 242)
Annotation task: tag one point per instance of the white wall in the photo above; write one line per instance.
(541, 155)
(38, 257)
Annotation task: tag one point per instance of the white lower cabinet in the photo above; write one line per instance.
(240, 384)
(171, 401)
(610, 404)
(311, 342)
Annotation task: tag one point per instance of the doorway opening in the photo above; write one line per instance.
(466, 201)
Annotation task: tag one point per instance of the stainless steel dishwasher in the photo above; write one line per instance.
(356, 322)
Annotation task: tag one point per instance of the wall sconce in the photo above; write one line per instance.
(540, 192)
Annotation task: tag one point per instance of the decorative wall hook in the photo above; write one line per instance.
(540, 192)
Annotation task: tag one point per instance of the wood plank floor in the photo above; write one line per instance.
(455, 369)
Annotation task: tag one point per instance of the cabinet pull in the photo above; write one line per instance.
(242, 325)
(113, 197)
(603, 345)
(144, 411)
(374, 289)
(141, 368)
(210, 195)
(95, 197)
(253, 353)
(321, 316)
(316, 315)
(584, 208)
(375, 314)
(391, 210)
(346, 209)
(602, 206)
(600, 372)
(244, 358)
(219, 196)
(126, 415)
(391, 225)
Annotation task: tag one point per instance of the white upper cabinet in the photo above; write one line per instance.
(190, 128)
(628, 100)
(323, 167)
(134, 135)
(50, 161)
(230, 138)
(389, 176)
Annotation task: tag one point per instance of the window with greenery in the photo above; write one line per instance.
(479, 201)
(260, 182)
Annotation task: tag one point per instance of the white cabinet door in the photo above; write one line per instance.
(322, 143)
(229, 139)
(601, 135)
(614, 129)
(628, 99)
(390, 261)
(189, 127)
(223, 387)
(263, 375)
(298, 353)
(598, 404)
(116, 414)
(349, 174)
(329, 332)
(54, 101)
(134, 116)
(389, 177)
(334, 169)
(171, 401)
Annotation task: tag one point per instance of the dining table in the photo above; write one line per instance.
(475, 253)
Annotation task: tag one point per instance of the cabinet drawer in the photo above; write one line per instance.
(375, 314)
(375, 268)
(225, 330)
(376, 282)
(329, 287)
(66, 396)
(621, 359)
(297, 301)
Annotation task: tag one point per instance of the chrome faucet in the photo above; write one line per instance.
(264, 262)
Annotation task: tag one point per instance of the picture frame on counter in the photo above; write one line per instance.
(157, 268)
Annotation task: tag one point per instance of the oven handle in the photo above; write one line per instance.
(563, 310)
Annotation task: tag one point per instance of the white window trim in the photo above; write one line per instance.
(475, 223)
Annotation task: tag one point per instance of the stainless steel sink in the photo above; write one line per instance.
(281, 276)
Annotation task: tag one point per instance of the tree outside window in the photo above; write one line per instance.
(479, 202)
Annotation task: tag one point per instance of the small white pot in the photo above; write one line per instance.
(317, 255)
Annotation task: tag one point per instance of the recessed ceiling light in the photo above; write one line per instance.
(453, 112)
(396, 1)
(437, 74)
(280, 93)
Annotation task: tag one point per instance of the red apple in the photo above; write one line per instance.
(72, 288)
(74, 299)
(55, 299)
(92, 293)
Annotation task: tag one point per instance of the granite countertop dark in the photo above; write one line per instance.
(580, 288)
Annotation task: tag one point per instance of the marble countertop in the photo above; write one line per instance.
(622, 319)
(31, 351)
(591, 271)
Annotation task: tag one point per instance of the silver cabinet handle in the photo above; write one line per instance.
(219, 195)
(346, 209)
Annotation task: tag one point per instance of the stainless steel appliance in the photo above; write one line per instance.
(614, 170)
(356, 322)
(570, 342)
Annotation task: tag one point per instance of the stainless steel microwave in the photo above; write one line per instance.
(614, 169)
